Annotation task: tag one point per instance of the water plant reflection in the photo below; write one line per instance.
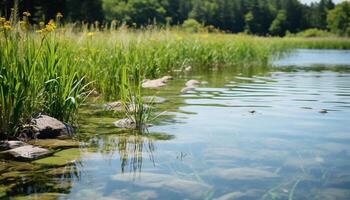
(25, 179)
(131, 147)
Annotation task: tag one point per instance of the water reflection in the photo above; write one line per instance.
(18, 178)
(131, 147)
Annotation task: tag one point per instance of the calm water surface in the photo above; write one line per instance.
(251, 133)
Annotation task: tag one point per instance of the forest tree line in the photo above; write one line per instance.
(260, 17)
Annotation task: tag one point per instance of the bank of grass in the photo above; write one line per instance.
(53, 71)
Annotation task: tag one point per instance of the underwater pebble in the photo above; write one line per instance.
(323, 111)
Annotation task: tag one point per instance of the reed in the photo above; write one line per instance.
(53, 70)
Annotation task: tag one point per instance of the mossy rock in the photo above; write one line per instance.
(41, 196)
(3, 191)
(11, 175)
(55, 143)
(60, 158)
(22, 166)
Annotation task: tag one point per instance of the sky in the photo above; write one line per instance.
(309, 1)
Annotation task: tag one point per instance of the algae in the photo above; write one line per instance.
(55, 143)
(60, 158)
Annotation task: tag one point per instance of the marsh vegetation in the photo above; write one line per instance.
(200, 111)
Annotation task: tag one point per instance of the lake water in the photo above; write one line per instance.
(248, 133)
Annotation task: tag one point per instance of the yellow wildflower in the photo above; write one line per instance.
(90, 34)
(27, 14)
(51, 26)
(7, 25)
(2, 19)
(59, 15)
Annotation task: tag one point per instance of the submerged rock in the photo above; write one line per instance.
(125, 123)
(153, 99)
(46, 127)
(193, 83)
(27, 152)
(189, 188)
(156, 83)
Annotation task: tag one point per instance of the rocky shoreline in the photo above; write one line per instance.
(43, 135)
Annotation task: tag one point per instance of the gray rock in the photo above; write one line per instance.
(27, 152)
(45, 127)
(6, 145)
(193, 83)
(157, 83)
(125, 123)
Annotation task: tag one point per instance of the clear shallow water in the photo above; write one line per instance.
(210, 145)
(308, 57)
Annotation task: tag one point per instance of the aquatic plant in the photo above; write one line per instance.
(51, 69)
(36, 75)
(131, 95)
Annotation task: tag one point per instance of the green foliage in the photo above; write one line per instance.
(278, 25)
(192, 26)
(339, 19)
(314, 32)
(258, 17)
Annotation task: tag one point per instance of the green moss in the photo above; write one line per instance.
(60, 158)
(43, 196)
(3, 190)
(55, 143)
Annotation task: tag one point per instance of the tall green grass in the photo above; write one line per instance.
(37, 75)
(52, 72)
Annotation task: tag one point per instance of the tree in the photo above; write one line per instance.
(339, 19)
(278, 26)
(249, 22)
